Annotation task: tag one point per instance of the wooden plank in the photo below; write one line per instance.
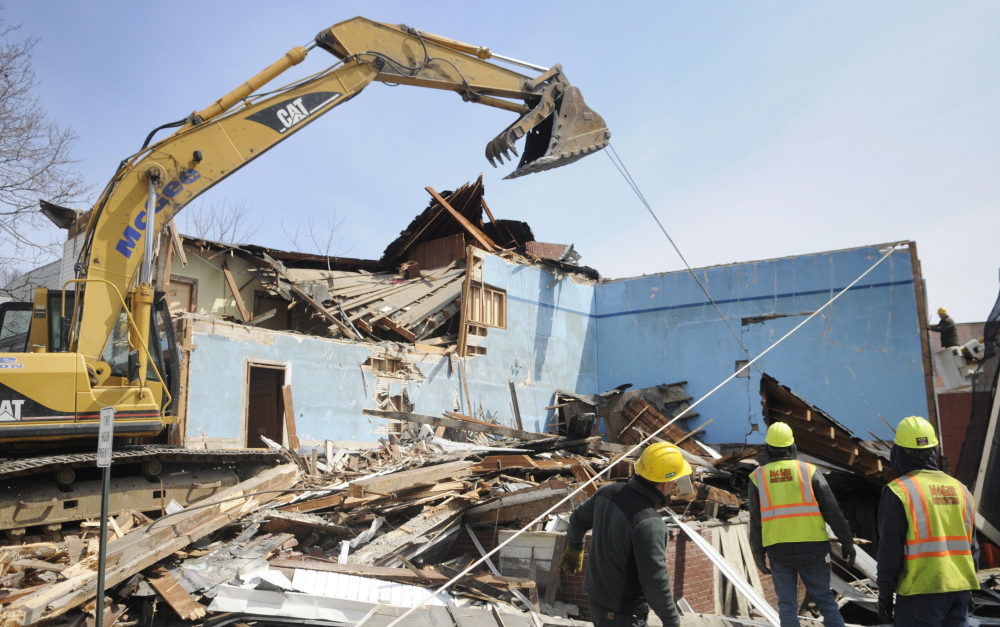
(493, 463)
(466, 312)
(464, 425)
(388, 323)
(469, 227)
(396, 481)
(513, 400)
(293, 435)
(172, 592)
(552, 583)
(236, 293)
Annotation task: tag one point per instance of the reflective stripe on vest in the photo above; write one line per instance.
(788, 513)
(940, 516)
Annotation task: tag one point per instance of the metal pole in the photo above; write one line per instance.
(146, 270)
(102, 554)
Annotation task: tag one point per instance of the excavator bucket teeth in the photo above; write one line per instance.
(559, 130)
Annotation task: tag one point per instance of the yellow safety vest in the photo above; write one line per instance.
(940, 514)
(788, 508)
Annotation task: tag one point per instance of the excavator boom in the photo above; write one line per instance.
(105, 358)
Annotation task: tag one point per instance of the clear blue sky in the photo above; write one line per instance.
(755, 130)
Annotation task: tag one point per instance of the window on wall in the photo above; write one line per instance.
(488, 306)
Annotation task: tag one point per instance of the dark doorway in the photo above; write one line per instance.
(265, 407)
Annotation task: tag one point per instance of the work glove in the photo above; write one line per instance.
(761, 562)
(572, 561)
(848, 552)
(884, 608)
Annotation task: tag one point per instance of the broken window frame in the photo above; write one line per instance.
(487, 306)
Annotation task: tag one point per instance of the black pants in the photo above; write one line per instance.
(603, 617)
(945, 609)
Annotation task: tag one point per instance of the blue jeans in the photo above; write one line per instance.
(945, 609)
(816, 578)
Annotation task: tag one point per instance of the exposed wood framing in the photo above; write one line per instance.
(523, 506)
(513, 400)
(818, 434)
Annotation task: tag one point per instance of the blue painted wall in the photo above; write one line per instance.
(550, 343)
(859, 358)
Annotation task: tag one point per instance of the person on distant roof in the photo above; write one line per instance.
(949, 334)
(790, 506)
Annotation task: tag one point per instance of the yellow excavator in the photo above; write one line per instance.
(96, 344)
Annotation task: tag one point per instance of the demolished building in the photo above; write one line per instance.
(471, 327)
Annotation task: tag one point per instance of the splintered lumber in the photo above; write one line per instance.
(144, 547)
(312, 505)
(705, 492)
(524, 505)
(301, 525)
(431, 520)
(552, 583)
(179, 599)
(464, 425)
(397, 481)
(640, 413)
(494, 463)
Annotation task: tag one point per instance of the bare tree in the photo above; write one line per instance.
(319, 239)
(35, 159)
(228, 222)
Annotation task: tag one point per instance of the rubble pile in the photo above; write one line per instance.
(342, 537)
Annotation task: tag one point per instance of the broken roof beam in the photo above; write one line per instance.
(470, 228)
(464, 425)
(346, 330)
(397, 481)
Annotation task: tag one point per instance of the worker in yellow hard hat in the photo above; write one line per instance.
(790, 506)
(946, 327)
(627, 570)
(927, 553)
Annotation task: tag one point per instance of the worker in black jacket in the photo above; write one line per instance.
(790, 506)
(627, 570)
(946, 327)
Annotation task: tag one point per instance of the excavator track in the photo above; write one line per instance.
(15, 468)
(44, 495)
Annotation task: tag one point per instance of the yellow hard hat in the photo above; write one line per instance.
(779, 435)
(662, 462)
(942, 310)
(915, 432)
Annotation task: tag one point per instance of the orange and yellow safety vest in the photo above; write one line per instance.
(788, 508)
(940, 514)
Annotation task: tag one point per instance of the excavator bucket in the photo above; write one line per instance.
(560, 129)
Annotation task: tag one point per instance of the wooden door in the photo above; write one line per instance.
(265, 408)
